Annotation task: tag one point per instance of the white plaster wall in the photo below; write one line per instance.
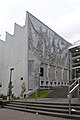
(16, 54)
(2, 44)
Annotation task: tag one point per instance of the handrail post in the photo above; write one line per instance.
(71, 89)
(36, 94)
(69, 103)
(25, 103)
(78, 91)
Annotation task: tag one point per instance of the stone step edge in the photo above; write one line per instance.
(55, 114)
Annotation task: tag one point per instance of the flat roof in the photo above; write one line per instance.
(76, 44)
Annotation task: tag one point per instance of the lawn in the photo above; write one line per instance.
(40, 94)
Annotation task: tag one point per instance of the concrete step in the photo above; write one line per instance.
(60, 109)
(54, 105)
(56, 114)
(41, 108)
(54, 102)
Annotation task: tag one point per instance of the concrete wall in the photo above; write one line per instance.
(48, 50)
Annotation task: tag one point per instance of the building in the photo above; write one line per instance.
(74, 61)
(38, 55)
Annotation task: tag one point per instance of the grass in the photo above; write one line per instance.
(3, 102)
(42, 94)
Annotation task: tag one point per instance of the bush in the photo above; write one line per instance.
(1, 95)
(4, 97)
(14, 97)
(18, 98)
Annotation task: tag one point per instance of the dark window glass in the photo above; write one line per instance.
(42, 82)
(55, 83)
(21, 78)
(62, 83)
(46, 82)
(50, 83)
(58, 83)
(41, 71)
(0, 85)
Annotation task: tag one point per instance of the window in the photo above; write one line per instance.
(0, 85)
(50, 83)
(42, 82)
(46, 82)
(62, 83)
(55, 83)
(67, 83)
(58, 83)
(41, 71)
(21, 78)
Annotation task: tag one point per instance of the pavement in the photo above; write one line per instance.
(7, 114)
(56, 100)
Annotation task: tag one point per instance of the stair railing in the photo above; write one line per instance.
(30, 92)
(72, 88)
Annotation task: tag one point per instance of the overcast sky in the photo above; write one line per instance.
(63, 16)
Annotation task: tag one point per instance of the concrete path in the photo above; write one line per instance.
(54, 100)
(7, 114)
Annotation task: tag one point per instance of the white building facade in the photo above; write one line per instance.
(74, 61)
(37, 54)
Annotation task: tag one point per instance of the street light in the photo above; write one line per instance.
(11, 73)
(10, 83)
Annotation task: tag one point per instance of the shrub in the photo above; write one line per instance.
(4, 97)
(1, 95)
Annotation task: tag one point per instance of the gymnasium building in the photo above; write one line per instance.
(34, 55)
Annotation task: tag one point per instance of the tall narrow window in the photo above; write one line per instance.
(0, 85)
(41, 71)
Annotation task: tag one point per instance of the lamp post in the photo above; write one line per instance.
(10, 83)
(11, 73)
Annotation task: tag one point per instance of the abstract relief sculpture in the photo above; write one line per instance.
(47, 49)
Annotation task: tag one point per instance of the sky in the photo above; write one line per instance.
(62, 16)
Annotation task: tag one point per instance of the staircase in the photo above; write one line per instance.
(59, 92)
(57, 107)
(57, 104)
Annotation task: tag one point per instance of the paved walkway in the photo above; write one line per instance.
(54, 100)
(7, 114)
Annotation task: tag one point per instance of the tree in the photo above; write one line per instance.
(10, 86)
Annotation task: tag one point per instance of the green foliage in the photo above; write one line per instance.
(3, 102)
(4, 97)
(10, 86)
(42, 94)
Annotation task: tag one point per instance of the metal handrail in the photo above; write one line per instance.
(72, 88)
(30, 92)
(73, 83)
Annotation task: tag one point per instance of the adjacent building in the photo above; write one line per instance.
(74, 61)
(38, 55)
